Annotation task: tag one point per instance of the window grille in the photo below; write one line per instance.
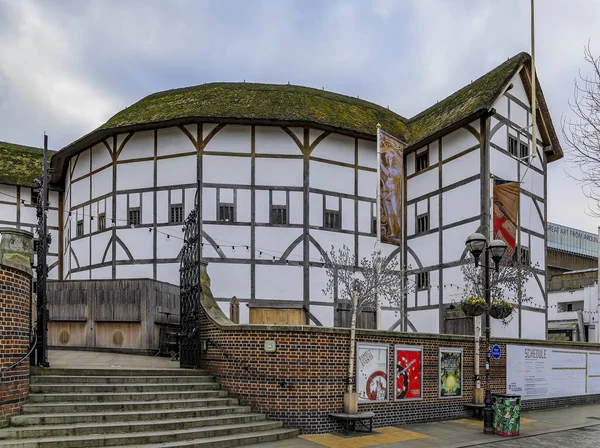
(134, 216)
(226, 213)
(102, 221)
(79, 228)
(422, 161)
(423, 280)
(512, 145)
(176, 214)
(374, 225)
(525, 256)
(422, 223)
(524, 150)
(332, 220)
(279, 214)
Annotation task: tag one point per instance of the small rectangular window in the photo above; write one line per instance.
(226, 213)
(332, 220)
(569, 307)
(422, 161)
(524, 150)
(374, 225)
(34, 196)
(176, 214)
(134, 216)
(513, 144)
(423, 280)
(525, 256)
(102, 221)
(79, 228)
(422, 223)
(279, 214)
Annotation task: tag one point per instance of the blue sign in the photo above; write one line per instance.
(496, 352)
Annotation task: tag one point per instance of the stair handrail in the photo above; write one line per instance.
(6, 369)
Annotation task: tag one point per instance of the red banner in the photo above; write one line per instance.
(506, 209)
(409, 377)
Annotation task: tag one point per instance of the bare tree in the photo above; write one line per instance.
(373, 281)
(582, 133)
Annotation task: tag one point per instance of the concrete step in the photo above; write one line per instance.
(120, 388)
(105, 417)
(250, 438)
(143, 438)
(84, 429)
(116, 371)
(125, 396)
(126, 406)
(60, 379)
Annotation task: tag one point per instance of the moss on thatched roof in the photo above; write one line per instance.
(20, 165)
(481, 94)
(248, 101)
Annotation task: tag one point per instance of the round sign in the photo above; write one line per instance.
(496, 351)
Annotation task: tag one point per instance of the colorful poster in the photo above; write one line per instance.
(371, 372)
(451, 362)
(506, 209)
(392, 188)
(408, 373)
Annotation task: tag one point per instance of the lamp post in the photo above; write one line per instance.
(477, 244)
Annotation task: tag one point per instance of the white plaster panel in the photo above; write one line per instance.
(535, 327)
(501, 106)
(434, 152)
(503, 166)
(367, 184)
(162, 214)
(316, 209)
(411, 299)
(367, 153)
(8, 212)
(225, 235)
(243, 205)
(537, 251)
(460, 168)
(139, 241)
(100, 156)
(366, 246)
(323, 314)
(389, 319)
(328, 239)
(518, 91)
(140, 145)
(410, 219)
(499, 138)
(102, 182)
(454, 241)
(434, 215)
(80, 192)
(410, 163)
(532, 181)
(296, 208)
(422, 297)
(176, 171)
(226, 195)
(457, 142)
(452, 284)
(498, 330)
(461, 203)
(102, 273)
(189, 198)
(279, 197)
(347, 214)
(81, 247)
(171, 141)
(279, 282)
(8, 193)
(81, 275)
(176, 196)
(228, 280)
(232, 138)
(168, 272)
(148, 207)
(274, 140)
(99, 244)
(518, 114)
(274, 241)
(135, 200)
(364, 216)
(135, 271)
(425, 247)
(422, 207)
(425, 321)
(318, 282)
(422, 184)
(135, 175)
(339, 148)
(277, 172)
(261, 212)
(331, 177)
(82, 166)
(530, 218)
(332, 203)
(171, 246)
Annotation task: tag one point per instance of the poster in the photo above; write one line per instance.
(371, 372)
(392, 188)
(408, 373)
(451, 363)
(506, 209)
(546, 372)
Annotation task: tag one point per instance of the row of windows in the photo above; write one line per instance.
(517, 148)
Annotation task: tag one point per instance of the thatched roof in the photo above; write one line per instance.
(20, 165)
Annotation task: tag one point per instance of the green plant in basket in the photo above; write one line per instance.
(473, 306)
(500, 309)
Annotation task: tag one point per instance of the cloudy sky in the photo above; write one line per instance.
(67, 66)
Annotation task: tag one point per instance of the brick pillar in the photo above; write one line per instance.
(16, 255)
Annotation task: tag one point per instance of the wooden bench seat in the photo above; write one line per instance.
(476, 409)
(350, 421)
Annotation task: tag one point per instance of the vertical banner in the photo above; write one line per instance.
(391, 184)
(506, 210)
(451, 363)
(371, 372)
(408, 373)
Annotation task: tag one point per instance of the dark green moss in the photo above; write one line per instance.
(20, 165)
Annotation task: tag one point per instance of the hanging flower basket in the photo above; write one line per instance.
(473, 306)
(500, 309)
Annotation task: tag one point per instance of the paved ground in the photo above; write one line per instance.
(75, 359)
(580, 438)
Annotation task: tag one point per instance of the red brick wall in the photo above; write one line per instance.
(14, 340)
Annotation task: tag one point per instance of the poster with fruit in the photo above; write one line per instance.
(408, 375)
(371, 372)
(451, 363)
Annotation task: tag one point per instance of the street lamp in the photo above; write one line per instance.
(477, 244)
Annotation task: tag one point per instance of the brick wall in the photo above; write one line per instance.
(15, 296)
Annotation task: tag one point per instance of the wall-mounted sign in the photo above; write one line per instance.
(496, 352)
(451, 366)
(408, 373)
(371, 372)
(546, 372)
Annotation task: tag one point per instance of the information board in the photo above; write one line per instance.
(544, 372)
(371, 372)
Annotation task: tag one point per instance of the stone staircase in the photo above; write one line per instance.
(147, 408)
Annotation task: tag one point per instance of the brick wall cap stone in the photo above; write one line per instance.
(16, 249)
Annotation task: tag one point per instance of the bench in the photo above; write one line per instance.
(475, 409)
(349, 421)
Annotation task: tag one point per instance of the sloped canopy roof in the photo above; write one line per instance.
(20, 165)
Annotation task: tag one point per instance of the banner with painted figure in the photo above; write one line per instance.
(409, 376)
(392, 188)
(371, 372)
(451, 361)
(506, 210)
